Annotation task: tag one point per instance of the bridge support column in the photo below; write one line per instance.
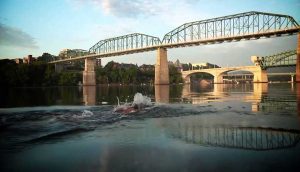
(218, 78)
(89, 95)
(162, 93)
(260, 76)
(187, 79)
(298, 60)
(89, 77)
(161, 67)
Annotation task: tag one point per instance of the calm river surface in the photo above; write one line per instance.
(250, 127)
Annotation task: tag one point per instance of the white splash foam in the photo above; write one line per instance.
(140, 99)
(85, 114)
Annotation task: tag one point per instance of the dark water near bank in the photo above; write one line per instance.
(251, 127)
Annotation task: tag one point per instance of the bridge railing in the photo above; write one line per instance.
(126, 42)
(250, 23)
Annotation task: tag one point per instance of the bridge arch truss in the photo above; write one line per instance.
(286, 58)
(125, 43)
(233, 27)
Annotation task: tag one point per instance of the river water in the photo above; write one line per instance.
(243, 127)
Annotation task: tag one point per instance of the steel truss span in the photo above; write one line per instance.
(286, 58)
(126, 42)
(233, 27)
(249, 25)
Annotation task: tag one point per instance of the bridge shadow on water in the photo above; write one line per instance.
(250, 138)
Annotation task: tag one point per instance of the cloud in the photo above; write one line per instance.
(129, 8)
(14, 37)
(138, 8)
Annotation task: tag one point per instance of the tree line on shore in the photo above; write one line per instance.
(40, 73)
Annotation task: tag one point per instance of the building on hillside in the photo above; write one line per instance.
(170, 63)
(19, 61)
(29, 59)
(204, 65)
(177, 64)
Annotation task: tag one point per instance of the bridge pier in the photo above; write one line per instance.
(162, 93)
(161, 67)
(218, 78)
(298, 60)
(89, 77)
(260, 76)
(89, 95)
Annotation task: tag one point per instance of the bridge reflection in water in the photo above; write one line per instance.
(260, 96)
(251, 138)
(89, 95)
(255, 97)
(162, 93)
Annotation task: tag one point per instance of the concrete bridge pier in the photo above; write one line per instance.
(89, 95)
(89, 76)
(260, 76)
(298, 60)
(218, 78)
(162, 94)
(161, 67)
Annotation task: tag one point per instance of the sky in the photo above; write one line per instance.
(38, 26)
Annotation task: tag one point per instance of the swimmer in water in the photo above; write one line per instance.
(127, 108)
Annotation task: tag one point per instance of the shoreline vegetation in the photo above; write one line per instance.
(40, 73)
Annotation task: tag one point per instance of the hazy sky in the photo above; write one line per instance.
(37, 26)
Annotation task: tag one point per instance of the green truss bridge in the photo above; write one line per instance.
(286, 58)
(243, 26)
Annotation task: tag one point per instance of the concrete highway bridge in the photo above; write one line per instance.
(260, 75)
(218, 73)
(243, 26)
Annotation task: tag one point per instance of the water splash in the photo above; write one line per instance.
(140, 99)
(85, 114)
(139, 102)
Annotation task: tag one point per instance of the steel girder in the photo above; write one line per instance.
(126, 42)
(286, 58)
(249, 23)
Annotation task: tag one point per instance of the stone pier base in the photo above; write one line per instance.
(260, 76)
(89, 76)
(161, 67)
